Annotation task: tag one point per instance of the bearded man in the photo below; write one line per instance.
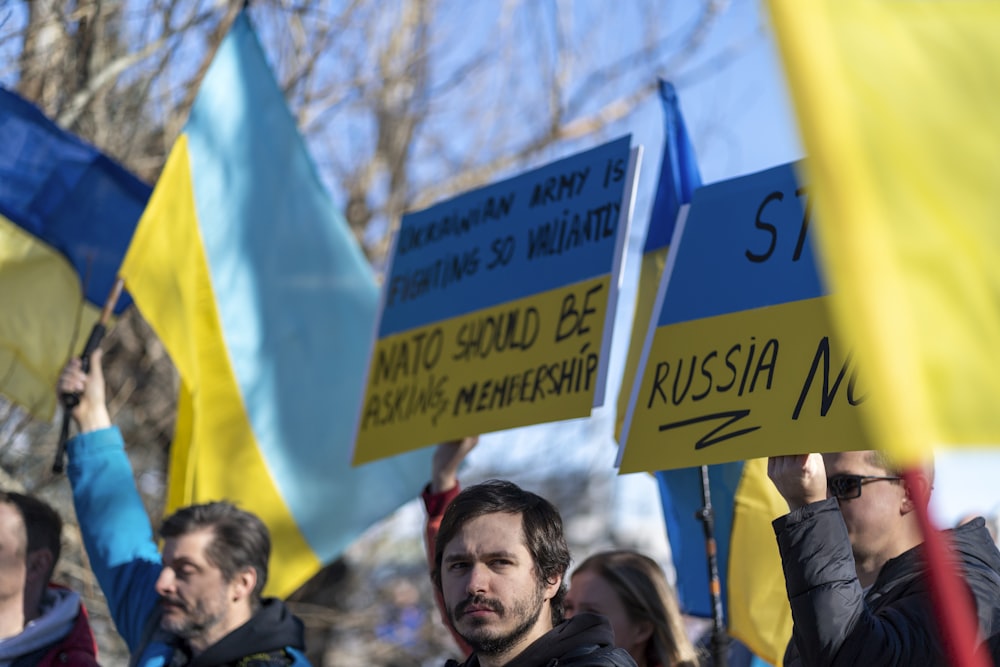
(500, 567)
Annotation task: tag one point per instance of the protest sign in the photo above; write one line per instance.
(741, 360)
(498, 305)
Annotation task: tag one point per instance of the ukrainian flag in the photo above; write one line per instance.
(744, 503)
(266, 304)
(67, 213)
(744, 500)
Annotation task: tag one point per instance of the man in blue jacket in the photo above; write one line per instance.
(199, 603)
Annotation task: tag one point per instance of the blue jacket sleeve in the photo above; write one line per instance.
(116, 529)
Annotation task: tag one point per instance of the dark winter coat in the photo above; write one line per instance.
(586, 640)
(836, 623)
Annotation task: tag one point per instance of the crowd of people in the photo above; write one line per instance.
(851, 550)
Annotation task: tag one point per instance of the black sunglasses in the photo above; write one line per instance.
(848, 487)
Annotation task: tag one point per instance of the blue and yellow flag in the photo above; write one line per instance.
(898, 105)
(679, 177)
(266, 304)
(745, 501)
(67, 213)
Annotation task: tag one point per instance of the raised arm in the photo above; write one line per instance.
(438, 494)
(115, 527)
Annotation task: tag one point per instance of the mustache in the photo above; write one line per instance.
(164, 600)
(481, 602)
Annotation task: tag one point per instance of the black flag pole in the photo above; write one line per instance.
(70, 401)
(720, 639)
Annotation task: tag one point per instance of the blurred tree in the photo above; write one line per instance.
(403, 103)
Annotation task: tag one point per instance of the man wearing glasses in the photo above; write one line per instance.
(851, 553)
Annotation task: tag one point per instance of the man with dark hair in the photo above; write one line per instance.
(197, 604)
(500, 565)
(851, 553)
(40, 623)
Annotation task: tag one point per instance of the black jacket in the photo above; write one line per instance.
(263, 640)
(836, 623)
(586, 640)
(273, 637)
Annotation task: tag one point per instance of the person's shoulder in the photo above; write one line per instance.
(77, 646)
(973, 540)
(587, 640)
(598, 656)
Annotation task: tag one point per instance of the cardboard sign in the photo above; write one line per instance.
(498, 305)
(741, 360)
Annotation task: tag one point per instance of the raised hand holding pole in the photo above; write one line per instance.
(71, 400)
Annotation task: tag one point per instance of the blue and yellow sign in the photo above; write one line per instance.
(498, 306)
(743, 360)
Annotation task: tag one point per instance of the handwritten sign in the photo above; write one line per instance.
(741, 360)
(498, 305)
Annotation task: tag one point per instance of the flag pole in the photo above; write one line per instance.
(69, 400)
(720, 640)
(956, 618)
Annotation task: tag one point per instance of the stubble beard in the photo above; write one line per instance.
(192, 623)
(486, 642)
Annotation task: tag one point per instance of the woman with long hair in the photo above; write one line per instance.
(631, 590)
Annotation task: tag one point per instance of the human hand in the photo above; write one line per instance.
(447, 458)
(91, 412)
(800, 478)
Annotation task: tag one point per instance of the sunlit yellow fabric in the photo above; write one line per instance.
(650, 272)
(44, 316)
(759, 613)
(898, 104)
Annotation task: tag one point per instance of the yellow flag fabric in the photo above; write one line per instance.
(898, 105)
(759, 613)
(650, 272)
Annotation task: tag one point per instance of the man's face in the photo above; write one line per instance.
(873, 518)
(13, 543)
(195, 597)
(491, 588)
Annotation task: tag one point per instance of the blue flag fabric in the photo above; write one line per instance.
(680, 495)
(679, 173)
(67, 214)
